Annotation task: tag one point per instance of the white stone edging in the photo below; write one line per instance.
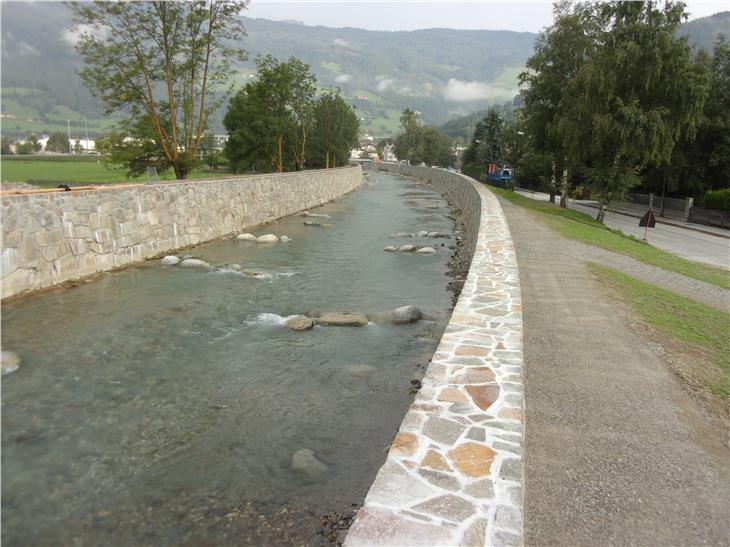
(454, 473)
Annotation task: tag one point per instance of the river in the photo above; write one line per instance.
(163, 405)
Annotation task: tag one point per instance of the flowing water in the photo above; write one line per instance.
(163, 405)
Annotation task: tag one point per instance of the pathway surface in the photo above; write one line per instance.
(710, 245)
(615, 451)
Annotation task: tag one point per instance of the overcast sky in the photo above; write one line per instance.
(410, 15)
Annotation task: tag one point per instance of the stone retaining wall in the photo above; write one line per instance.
(453, 475)
(49, 238)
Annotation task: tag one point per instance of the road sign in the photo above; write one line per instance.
(648, 219)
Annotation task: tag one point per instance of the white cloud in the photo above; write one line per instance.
(72, 35)
(340, 42)
(384, 84)
(24, 48)
(343, 78)
(459, 91)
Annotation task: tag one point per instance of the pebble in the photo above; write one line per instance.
(9, 361)
(304, 460)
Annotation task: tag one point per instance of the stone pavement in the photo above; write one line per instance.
(615, 451)
(453, 475)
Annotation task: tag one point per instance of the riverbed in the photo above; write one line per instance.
(164, 405)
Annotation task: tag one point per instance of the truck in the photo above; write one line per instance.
(501, 178)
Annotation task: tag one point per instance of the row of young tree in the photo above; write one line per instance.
(279, 123)
(418, 144)
(166, 65)
(613, 97)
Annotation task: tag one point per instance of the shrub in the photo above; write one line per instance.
(717, 199)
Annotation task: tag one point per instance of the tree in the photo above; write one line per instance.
(57, 142)
(78, 149)
(268, 119)
(334, 131)
(409, 144)
(6, 142)
(638, 93)
(29, 146)
(487, 143)
(164, 61)
(436, 147)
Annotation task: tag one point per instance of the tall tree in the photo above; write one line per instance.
(487, 143)
(57, 142)
(334, 131)
(268, 119)
(436, 147)
(638, 93)
(409, 144)
(163, 60)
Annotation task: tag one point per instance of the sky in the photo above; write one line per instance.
(521, 16)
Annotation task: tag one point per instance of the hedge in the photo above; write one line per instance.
(717, 199)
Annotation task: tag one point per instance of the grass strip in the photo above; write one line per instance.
(682, 318)
(582, 227)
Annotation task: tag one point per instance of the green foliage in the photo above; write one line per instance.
(334, 131)
(487, 143)
(57, 142)
(29, 146)
(437, 147)
(165, 62)
(717, 199)
(6, 142)
(408, 145)
(682, 318)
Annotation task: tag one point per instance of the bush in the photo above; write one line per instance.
(717, 199)
(474, 170)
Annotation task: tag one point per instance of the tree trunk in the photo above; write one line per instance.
(327, 160)
(552, 185)
(280, 162)
(601, 213)
(565, 184)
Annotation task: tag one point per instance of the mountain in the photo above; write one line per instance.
(441, 73)
(444, 74)
(703, 32)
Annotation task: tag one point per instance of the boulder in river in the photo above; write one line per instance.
(333, 319)
(422, 233)
(390, 249)
(405, 234)
(299, 322)
(405, 248)
(9, 361)
(426, 251)
(314, 215)
(317, 224)
(305, 461)
(246, 237)
(267, 238)
(170, 260)
(195, 263)
(438, 235)
(285, 239)
(404, 314)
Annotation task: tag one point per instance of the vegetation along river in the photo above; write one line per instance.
(165, 405)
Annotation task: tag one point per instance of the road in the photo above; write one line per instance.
(690, 244)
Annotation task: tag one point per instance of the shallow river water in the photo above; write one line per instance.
(162, 405)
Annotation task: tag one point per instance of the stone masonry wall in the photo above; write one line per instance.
(49, 238)
(454, 473)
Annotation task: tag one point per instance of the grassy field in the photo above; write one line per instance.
(75, 170)
(582, 227)
(684, 319)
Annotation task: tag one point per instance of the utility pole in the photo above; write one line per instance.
(86, 132)
(68, 128)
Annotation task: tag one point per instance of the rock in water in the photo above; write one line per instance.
(285, 239)
(343, 320)
(299, 322)
(438, 234)
(267, 238)
(9, 361)
(422, 233)
(404, 234)
(426, 251)
(404, 314)
(390, 249)
(304, 460)
(246, 237)
(405, 248)
(170, 260)
(194, 263)
(314, 215)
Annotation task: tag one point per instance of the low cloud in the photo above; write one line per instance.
(343, 78)
(340, 42)
(384, 84)
(459, 91)
(24, 48)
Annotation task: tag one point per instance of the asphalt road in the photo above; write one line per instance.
(690, 244)
(616, 452)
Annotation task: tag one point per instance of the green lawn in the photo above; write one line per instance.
(582, 227)
(75, 170)
(682, 318)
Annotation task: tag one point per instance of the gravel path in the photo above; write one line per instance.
(615, 451)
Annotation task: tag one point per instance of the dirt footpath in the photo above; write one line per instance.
(615, 451)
